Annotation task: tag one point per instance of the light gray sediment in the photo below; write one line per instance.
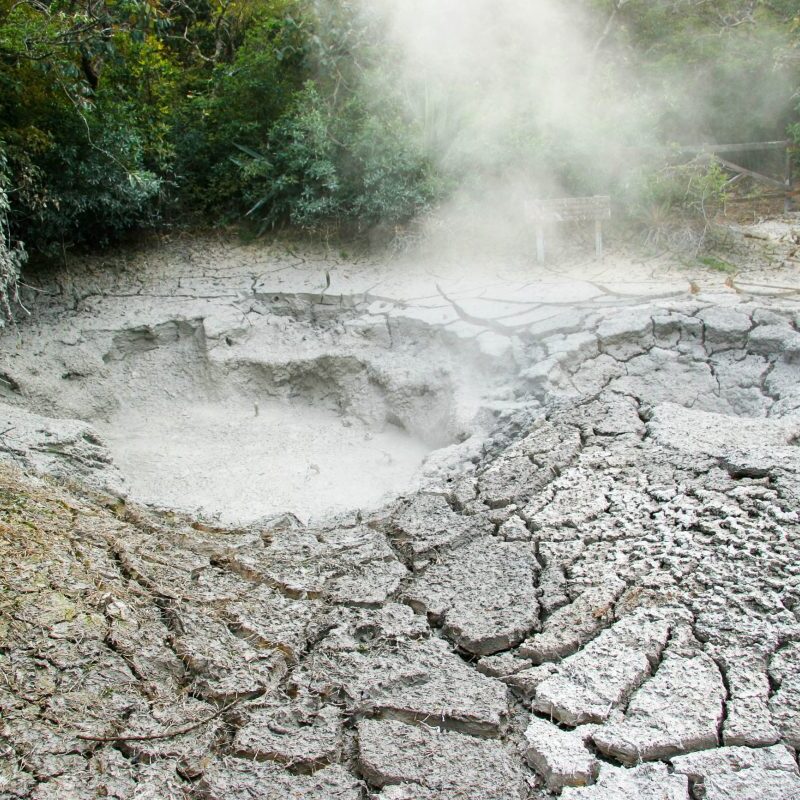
(586, 582)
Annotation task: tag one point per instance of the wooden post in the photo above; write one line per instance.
(540, 243)
(788, 205)
(598, 238)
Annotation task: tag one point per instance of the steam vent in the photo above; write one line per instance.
(280, 527)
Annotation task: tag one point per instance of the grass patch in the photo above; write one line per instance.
(717, 264)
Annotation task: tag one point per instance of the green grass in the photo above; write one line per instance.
(717, 264)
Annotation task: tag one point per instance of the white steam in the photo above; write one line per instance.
(513, 94)
(519, 99)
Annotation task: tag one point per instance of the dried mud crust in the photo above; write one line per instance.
(603, 602)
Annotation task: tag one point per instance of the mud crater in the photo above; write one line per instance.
(294, 403)
(262, 412)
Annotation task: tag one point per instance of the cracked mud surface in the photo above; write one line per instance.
(592, 589)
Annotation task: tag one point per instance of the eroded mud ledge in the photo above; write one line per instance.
(594, 584)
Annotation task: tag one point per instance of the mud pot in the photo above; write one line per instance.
(503, 536)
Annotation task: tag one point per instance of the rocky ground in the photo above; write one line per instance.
(594, 592)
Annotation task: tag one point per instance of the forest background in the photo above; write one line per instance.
(122, 115)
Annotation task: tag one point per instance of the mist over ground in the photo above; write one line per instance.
(515, 100)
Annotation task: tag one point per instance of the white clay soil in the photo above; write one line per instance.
(590, 590)
(223, 461)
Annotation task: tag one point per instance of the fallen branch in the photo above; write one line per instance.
(165, 735)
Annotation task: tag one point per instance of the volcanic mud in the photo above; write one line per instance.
(479, 543)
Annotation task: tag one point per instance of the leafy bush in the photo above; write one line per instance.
(668, 201)
(389, 176)
(354, 168)
(12, 253)
(301, 113)
(83, 192)
(83, 116)
(238, 103)
(295, 179)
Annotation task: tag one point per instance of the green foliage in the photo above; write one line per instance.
(238, 103)
(701, 63)
(717, 264)
(84, 117)
(353, 167)
(694, 189)
(295, 179)
(675, 204)
(12, 253)
(388, 176)
(118, 113)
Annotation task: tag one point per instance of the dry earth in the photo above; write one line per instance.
(590, 587)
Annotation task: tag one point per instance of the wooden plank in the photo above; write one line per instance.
(751, 197)
(735, 179)
(569, 209)
(697, 149)
(734, 148)
(756, 176)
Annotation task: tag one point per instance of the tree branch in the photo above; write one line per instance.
(165, 734)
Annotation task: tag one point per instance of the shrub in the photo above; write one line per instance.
(12, 253)
(83, 113)
(675, 204)
(237, 104)
(356, 167)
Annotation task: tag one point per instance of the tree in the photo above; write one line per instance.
(12, 253)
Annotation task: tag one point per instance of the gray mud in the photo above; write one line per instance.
(577, 576)
(268, 406)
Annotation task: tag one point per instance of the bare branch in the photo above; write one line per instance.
(165, 734)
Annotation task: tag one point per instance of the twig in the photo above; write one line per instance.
(165, 735)
(607, 30)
